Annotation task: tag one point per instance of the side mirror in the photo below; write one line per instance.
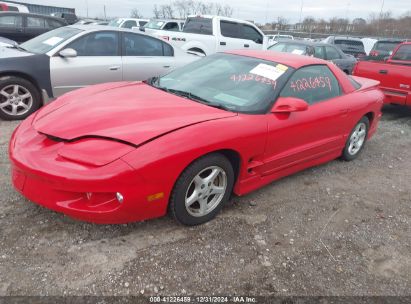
(68, 53)
(289, 104)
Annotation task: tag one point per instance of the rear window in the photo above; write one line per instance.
(198, 25)
(403, 53)
(385, 46)
(293, 48)
(345, 43)
(355, 83)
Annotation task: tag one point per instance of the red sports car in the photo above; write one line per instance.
(183, 143)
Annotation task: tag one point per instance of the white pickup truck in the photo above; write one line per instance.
(206, 35)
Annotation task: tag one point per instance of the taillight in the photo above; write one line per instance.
(165, 38)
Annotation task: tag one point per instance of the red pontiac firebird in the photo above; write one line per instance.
(183, 143)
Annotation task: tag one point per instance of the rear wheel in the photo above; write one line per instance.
(18, 98)
(356, 140)
(202, 190)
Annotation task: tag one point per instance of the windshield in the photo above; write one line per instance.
(154, 24)
(293, 48)
(386, 46)
(235, 83)
(46, 42)
(350, 44)
(115, 22)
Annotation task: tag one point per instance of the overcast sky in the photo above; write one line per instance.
(257, 10)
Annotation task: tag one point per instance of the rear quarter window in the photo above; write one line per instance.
(314, 84)
(403, 53)
(199, 26)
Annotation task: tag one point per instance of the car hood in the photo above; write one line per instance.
(133, 113)
(10, 52)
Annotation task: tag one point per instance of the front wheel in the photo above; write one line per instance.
(18, 98)
(202, 190)
(356, 140)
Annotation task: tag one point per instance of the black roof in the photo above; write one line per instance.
(30, 14)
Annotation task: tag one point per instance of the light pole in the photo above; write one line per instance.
(301, 10)
(87, 7)
(382, 7)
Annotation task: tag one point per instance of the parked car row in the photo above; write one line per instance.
(319, 50)
(21, 27)
(76, 56)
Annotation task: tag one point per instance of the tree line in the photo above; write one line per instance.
(183, 8)
(377, 25)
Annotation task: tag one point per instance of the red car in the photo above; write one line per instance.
(183, 143)
(394, 74)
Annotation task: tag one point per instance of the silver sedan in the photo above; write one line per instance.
(77, 56)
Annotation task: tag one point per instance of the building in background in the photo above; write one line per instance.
(44, 9)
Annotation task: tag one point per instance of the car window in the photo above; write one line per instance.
(230, 29)
(313, 84)
(289, 47)
(129, 24)
(332, 53)
(386, 46)
(319, 52)
(252, 34)
(54, 23)
(172, 26)
(403, 53)
(198, 25)
(11, 21)
(35, 22)
(97, 44)
(141, 45)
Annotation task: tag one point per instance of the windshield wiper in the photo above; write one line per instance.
(18, 47)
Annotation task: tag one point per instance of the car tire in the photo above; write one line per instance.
(357, 139)
(202, 190)
(18, 98)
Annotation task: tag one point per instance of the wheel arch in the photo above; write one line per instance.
(370, 116)
(233, 157)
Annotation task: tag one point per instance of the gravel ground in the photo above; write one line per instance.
(338, 229)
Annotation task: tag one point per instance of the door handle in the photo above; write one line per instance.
(166, 66)
(246, 45)
(114, 68)
(383, 72)
(223, 43)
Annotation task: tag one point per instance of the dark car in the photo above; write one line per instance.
(317, 49)
(349, 45)
(70, 18)
(21, 27)
(384, 47)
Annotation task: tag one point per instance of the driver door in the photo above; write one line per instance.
(300, 138)
(98, 60)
